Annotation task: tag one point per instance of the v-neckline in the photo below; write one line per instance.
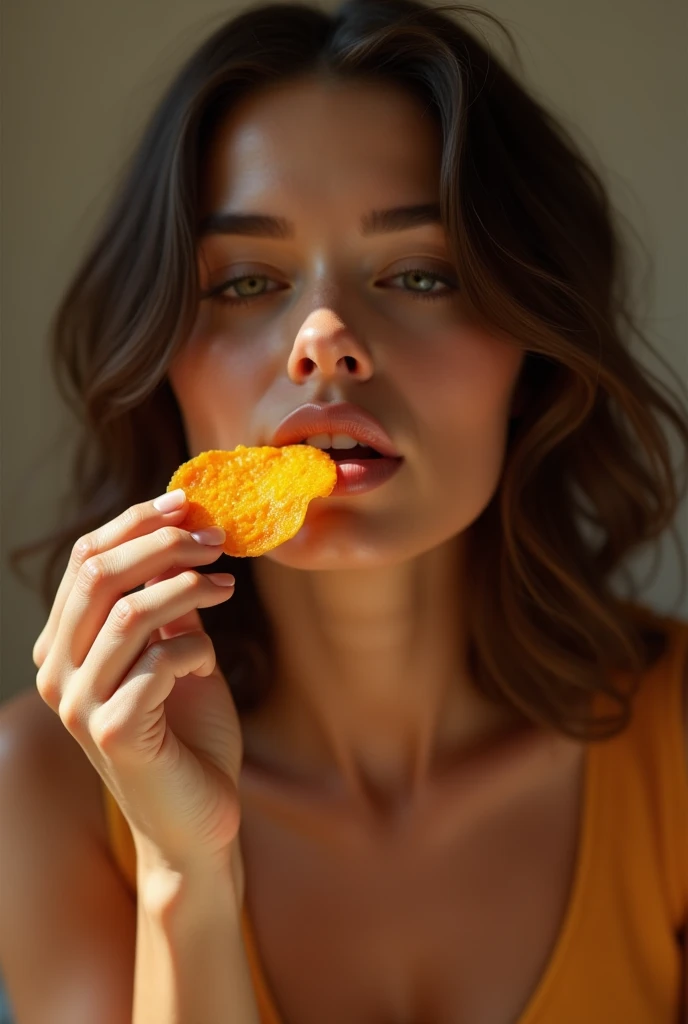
(270, 1013)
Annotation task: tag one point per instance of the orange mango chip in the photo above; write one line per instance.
(259, 496)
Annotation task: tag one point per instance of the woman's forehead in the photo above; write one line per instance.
(309, 138)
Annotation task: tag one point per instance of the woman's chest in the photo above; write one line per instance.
(453, 926)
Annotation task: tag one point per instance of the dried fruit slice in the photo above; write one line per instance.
(259, 496)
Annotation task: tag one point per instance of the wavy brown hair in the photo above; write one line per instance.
(587, 478)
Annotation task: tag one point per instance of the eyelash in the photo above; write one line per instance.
(241, 300)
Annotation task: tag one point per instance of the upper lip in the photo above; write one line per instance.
(340, 418)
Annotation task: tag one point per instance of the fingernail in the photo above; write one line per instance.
(170, 501)
(222, 579)
(213, 535)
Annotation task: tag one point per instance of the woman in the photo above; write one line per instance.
(425, 766)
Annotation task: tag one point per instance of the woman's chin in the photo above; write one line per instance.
(338, 540)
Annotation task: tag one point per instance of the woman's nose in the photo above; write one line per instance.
(324, 347)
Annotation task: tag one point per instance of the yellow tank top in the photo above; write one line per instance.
(617, 957)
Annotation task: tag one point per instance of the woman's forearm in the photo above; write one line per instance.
(191, 963)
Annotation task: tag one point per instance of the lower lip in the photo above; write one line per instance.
(359, 476)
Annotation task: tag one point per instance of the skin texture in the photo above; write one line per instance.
(372, 694)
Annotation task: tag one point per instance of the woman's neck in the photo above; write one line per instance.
(372, 693)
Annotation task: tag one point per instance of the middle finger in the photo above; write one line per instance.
(123, 639)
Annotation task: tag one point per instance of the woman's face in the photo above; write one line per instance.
(332, 314)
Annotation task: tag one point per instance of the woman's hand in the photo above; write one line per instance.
(134, 680)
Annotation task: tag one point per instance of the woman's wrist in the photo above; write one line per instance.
(164, 882)
(191, 962)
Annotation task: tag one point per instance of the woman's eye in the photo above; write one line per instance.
(248, 288)
(252, 286)
(417, 276)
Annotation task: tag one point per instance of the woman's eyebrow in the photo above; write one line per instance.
(261, 225)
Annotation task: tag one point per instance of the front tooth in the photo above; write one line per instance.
(343, 441)
(320, 440)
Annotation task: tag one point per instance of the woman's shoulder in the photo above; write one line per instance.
(56, 881)
(41, 756)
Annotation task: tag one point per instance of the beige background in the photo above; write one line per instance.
(78, 79)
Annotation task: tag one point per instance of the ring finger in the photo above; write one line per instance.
(124, 637)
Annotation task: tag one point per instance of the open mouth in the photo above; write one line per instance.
(347, 454)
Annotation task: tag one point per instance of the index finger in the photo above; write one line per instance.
(134, 522)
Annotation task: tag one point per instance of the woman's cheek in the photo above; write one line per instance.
(465, 376)
(461, 400)
(214, 386)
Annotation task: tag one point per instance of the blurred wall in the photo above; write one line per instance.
(78, 80)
